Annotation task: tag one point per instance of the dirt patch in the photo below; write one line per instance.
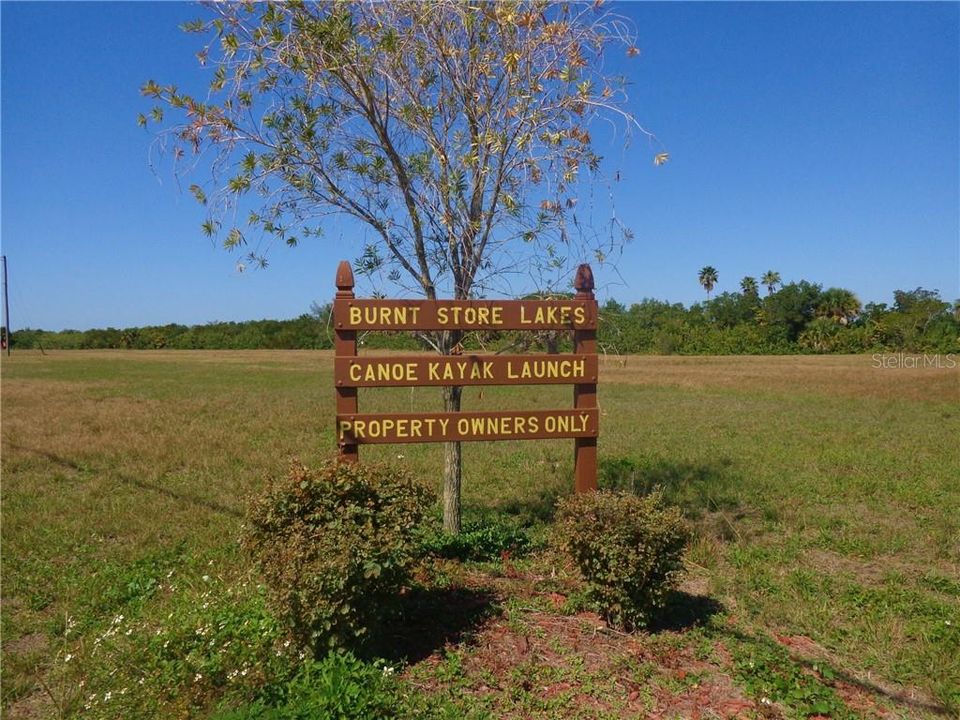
(32, 707)
(575, 666)
(27, 644)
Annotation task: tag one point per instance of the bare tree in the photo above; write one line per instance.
(457, 132)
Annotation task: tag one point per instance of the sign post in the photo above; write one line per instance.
(345, 346)
(585, 394)
(577, 315)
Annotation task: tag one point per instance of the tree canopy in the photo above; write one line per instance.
(459, 133)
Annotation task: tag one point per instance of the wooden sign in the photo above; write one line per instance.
(406, 371)
(578, 315)
(384, 428)
(574, 314)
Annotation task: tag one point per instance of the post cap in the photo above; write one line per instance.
(344, 276)
(583, 282)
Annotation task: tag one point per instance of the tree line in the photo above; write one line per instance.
(797, 317)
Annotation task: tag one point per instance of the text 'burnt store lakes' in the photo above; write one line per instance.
(579, 369)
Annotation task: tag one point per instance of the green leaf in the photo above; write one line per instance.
(199, 194)
(234, 239)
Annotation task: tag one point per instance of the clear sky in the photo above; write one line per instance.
(819, 140)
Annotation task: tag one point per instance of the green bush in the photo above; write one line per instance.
(337, 687)
(335, 547)
(478, 540)
(628, 548)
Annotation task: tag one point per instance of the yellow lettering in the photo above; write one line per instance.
(442, 315)
(415, 427)
(432, 371)
(355, 376)
(345, 427)
(355, 316)
(580, 315)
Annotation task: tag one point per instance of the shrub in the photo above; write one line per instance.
(335, 547)
(628, 548)
(336, 687)
(480, 541)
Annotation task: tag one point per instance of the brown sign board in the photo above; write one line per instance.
(372, 429)
(434, 370)
(577, 314)
(573, 314)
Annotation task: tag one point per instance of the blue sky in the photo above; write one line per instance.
(819, 140)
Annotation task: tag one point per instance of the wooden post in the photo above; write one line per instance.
(345, 345)
(585, 394)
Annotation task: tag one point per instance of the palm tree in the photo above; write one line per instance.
(839, 305)
(771, 278)
(708, 278)
(749, 285)
(819, 335)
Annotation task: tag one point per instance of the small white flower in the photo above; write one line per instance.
(123, 691)
(206, 578)
(766, 701)
(107, 695)
(68, 657)
(198, 677)
(129, 632)
(400, 457)
(387, 670)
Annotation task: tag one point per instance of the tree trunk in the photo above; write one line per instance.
(452, 459)
(452, 467)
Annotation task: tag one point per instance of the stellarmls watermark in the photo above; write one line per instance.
(900, 361)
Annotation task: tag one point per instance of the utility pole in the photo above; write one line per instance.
(6, 306)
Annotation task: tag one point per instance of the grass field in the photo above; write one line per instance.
(824, 578)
